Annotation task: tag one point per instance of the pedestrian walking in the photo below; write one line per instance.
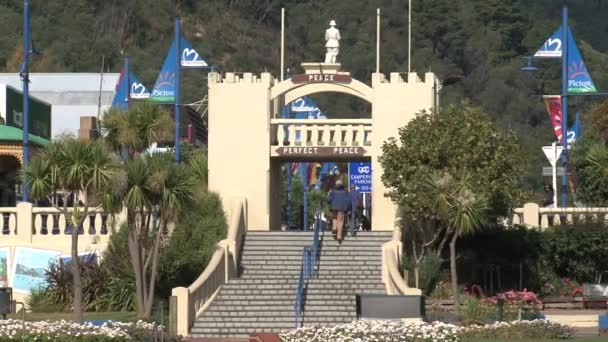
(340, 204)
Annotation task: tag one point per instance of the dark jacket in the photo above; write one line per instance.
(339, 200)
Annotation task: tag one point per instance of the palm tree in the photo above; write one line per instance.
(460, 210)
(130, 132)
(467, 214)
(79, 169)
(154, 191)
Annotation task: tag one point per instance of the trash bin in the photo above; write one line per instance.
(6, 299)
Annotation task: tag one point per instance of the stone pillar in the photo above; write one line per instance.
(531, 215)
(239, 142)
(395, 103)
(183, 313)
(24, 222)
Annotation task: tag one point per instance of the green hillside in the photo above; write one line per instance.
(479, 44)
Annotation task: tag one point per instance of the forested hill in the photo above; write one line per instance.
(479, 42)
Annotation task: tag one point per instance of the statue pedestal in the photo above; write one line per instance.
(322, 68)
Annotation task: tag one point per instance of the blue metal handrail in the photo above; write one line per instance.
(308, 268)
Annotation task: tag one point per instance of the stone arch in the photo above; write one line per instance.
(293, 91)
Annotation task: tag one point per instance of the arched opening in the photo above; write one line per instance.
(9, 168)
(321, 121)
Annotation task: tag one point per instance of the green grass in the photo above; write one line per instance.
(88, 316)
(578, 339)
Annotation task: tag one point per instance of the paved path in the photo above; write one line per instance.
(585, 322)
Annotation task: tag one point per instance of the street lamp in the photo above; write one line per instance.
(529, 67)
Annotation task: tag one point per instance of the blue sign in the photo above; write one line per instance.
(360, 175)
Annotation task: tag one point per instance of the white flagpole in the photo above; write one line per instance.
(409, 40)
(282, 43)
(377, 40)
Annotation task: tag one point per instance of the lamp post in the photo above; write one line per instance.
(564, 190)
(25, 79)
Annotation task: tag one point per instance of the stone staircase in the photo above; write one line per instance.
(262, 299)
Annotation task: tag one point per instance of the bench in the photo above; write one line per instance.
(595, 296)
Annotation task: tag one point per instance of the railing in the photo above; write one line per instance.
(391, 258)
(321, 132)
(50, 221)
(39, 227)
(535, 216)
(193, 300)
(309, 268)
(8, 221)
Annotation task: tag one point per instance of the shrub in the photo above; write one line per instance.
(578, 252)
(119, 294)
(519, 330)
(59, 294)
(192, 242)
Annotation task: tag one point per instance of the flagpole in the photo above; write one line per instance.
(26, 96)
(126, 76)
(409, 40)
(378, 40)
(176, 97)
(565, 40)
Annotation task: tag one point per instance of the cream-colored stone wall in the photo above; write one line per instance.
(239, 141)
(395, 102)
(24, 230)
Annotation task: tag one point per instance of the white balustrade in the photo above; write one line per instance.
(50, 221)
(8, 221)
(321, 132)
(533, 215)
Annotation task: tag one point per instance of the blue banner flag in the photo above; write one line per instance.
(189, 57)
(579, 80)
(552, 48)
(575, 131)
(121, 99)
(164, 87)
(138, 89)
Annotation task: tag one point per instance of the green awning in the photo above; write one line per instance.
(14, 134)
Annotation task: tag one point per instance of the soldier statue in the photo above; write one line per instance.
(332, 39)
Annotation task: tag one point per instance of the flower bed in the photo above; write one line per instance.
(64, 331)
(394, 331)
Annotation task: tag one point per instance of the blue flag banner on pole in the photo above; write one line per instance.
(190, 58)
(552, 48)
(138, 89)
(164, 87)
(575, 131)
(120, 98)
(579, 80)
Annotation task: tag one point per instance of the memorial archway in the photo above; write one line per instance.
(248, 138)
